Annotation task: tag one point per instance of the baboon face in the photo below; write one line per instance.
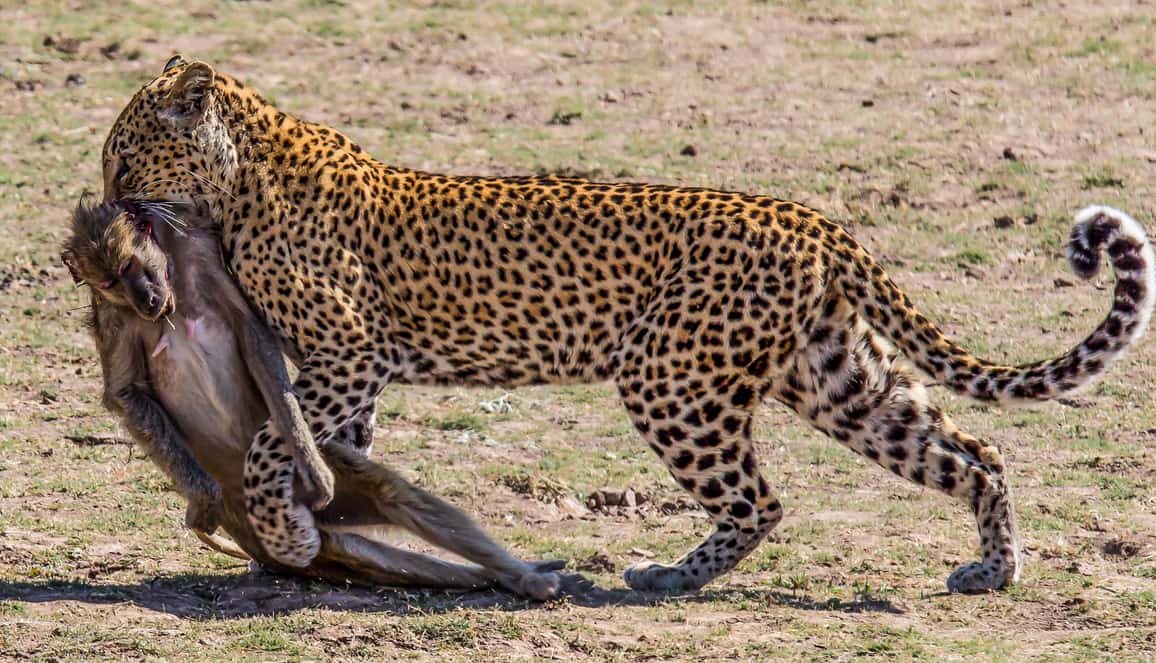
(113, 250)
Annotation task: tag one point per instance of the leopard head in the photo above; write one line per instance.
(171, 141)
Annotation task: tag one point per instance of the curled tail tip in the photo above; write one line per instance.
(1100, 229)
(1094, 226)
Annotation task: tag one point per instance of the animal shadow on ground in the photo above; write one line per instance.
(202, 596)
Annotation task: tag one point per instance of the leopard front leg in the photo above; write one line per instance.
(706, 445)
(332, 393)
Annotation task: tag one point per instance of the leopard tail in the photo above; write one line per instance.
(887, 309)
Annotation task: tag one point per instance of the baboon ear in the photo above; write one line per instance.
(69, 259)
(189, 97)
(175, 61)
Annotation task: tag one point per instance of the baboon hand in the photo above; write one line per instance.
(204, 510)
(316, 478)
(537, 582)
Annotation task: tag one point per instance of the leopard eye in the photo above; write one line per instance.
(122, 169)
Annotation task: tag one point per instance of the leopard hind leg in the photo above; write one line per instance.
(847, 384)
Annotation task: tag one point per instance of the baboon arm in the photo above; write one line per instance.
(266, 364)
(150, 425)
(122, 358)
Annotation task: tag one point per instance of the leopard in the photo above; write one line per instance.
(697, 304)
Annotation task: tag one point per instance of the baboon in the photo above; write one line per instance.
(193, 373)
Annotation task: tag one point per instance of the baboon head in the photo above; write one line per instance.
(113, 250)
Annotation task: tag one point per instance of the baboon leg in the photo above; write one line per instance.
(433, 519)
(370, 562)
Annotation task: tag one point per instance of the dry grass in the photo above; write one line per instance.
(916, 124)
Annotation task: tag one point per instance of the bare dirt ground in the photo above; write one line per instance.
(955, 139)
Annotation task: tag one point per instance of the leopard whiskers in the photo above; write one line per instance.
(164, 211)
(207, 181)
(144, 191)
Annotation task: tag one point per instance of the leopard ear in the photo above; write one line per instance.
(186, 102)
(175, 61)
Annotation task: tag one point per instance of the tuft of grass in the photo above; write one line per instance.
(455, 420)
(1097, 46)
(973, 257)
(1101, 180)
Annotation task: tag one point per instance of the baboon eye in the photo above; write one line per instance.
(105, 285)
(144, 225)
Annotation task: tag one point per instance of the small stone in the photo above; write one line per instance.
(630, 498)
(571, 507)
(1062, 283)
(1076, 601)
(1009, 154)
(1004, 222)
(689, 151)
(74, 80)
(66, 45)
(596, 500)
(1118, 548)
(611, 496)
(598, 562)
(564, 118)
(867, 103)
(1030, 219)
